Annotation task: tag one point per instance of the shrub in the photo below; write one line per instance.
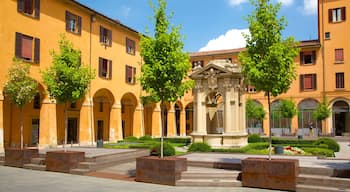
(292, 141)
(199, 147)
(332, 145)
(320, 152)
(254, 138)
(131, 139)
(168, 150)
(185, 140)
(145, 138)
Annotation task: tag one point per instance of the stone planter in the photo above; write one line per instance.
(164, 171)
(278, 174)
(63, 161)
(17, 157)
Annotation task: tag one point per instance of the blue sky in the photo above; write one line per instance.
(210, 24)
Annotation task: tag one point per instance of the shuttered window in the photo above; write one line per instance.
(308, 82)
(336, 15)
(130, 74)
(29, 7)
(73, 23)
(130, 46)
(27, 48)
(307, 57)
(104, 68)
(105, 36)
(339, 55)
(339, 80)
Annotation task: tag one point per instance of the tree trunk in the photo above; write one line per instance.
(21, 122)
(270, 134)
(65, 127)
(162, 131)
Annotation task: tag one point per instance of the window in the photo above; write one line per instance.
(251, 89)
(327, 35)
(336, 15)
(307, 57)
(73, 23)
(29, 7)
(100, 106)
(104, 68)
(105, 36)
(197, 63)
(130, 46)
(308, 82)
(339, 55)
(130, 73)
(27, 48)
(339, 80)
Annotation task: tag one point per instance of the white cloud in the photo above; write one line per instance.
(231, 40)
(234, 3)
(125, 11)
(310, 7)
(286, 2)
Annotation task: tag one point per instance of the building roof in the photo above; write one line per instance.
(302, 44)
(94, 12)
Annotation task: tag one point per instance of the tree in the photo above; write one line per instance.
(165, 65)
(322, 111)
(254, 111)
(67, 79)
(287, 109)
(268, 62)
(20, 88)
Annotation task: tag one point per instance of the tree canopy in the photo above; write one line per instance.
(20, 87)
(67, 79)
(287, 108)
(254, 110)
(165, 68)
(322, 110)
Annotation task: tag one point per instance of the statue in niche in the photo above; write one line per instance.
(212, 79)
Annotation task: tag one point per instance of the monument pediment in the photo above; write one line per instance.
(221, 67)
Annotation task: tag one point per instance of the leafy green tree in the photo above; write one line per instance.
(268, 62)
(165, 67)
(322, 111)
(67, 79)
(254, 111)
(20, 88)
(287, 109)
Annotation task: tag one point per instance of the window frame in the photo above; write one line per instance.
(130, 69)
(105, 36)
(77, 23)
(337, 15)
(303, 54)
(340, 61)
(130, 46)
(21, 8)
(101, 62)
(340, 80)
(35, 47)
(313, 77)
(197, 63)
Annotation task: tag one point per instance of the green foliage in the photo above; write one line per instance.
(322, 110)
(183, 140)
(131, 139)
(199, 147)
(291, 141)
(254, 138)
(287, 108)
(146, 138)
(165, 67)
(332, 145)
(319, 152)
(168, 149)
(20, 88)
(268, 62)
(67, 80)
(254, 110)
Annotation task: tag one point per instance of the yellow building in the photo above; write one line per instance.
(111, 110)
(321, 71)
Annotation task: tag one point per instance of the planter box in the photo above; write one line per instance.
(17, 157)
(278, 174)
(164, 171)
(63, 161)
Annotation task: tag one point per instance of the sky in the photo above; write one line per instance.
(210, 24)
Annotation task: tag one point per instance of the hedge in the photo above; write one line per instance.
(199, 147)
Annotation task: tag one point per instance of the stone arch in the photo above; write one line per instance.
(31, 121)
(129, 104)
(189, 118)
(178, 107)
(340, 116)
(255, 126)
(306, 108)
(103, 101)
